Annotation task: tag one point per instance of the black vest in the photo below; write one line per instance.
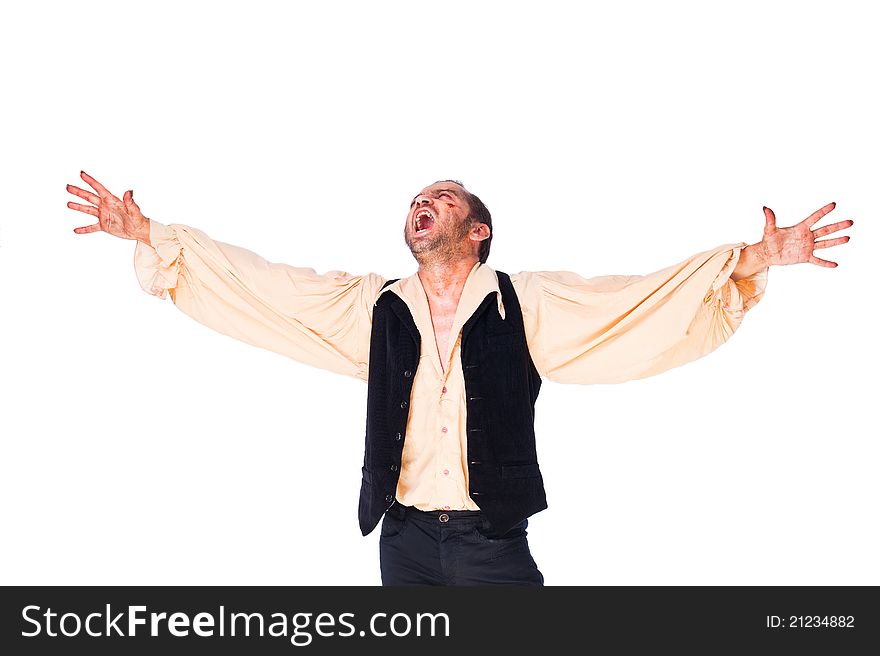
(501, 386)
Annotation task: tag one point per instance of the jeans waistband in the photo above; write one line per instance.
(435, 516)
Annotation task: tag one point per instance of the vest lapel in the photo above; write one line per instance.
(401, 310)
(480, 311)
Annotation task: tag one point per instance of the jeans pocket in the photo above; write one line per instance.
(496, 546)
(393, 526)
(485, 534)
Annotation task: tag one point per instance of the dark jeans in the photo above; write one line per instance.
(454, 547)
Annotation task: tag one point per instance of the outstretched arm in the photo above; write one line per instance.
(320, 320)
(611, 329)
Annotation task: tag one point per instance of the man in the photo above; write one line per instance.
(454, 355)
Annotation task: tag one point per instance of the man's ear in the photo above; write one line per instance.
(480, 231)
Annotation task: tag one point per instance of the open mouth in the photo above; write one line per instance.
(424, 221)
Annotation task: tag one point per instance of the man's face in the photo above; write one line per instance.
(437, 223)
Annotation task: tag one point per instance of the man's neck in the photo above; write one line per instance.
(443, 282)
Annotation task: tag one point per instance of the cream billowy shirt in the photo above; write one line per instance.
(606, 329)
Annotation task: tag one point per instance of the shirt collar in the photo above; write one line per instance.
(481, 281)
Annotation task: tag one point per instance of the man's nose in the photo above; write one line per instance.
(422, 200)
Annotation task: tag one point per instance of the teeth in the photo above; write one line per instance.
(422, 214)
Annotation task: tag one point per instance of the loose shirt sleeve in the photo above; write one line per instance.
(320, 320)
(611, 329)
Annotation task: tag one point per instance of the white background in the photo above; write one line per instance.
(139, 447)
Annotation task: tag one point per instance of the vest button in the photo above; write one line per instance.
(403, 404)
(407, 374)
(389, 498)
(398, 437)
(393, 467)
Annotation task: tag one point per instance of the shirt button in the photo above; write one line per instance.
(446, 472)
(389, 498)
(444, 390)
(444, 518)
(444, 429)
(393, 467)
(403, 404)
(407, 374)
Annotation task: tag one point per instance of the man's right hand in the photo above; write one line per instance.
(120, 218)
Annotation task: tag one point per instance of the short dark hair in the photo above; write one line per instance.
(478, 213)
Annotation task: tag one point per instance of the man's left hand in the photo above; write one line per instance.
(790, 245)
(797, 243)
